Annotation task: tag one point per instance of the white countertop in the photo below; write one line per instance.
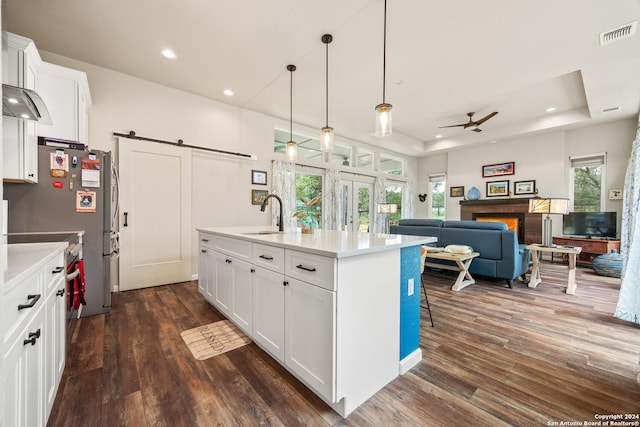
(337, 244)
(24, 258)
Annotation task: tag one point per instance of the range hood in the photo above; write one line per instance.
(24, 104)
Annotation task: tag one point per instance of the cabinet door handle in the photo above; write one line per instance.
(33, 337)
(253, 270)
(302, 267)
(268, 258)
(60, 293)
(285, 283)
(57, 270)
(126, 216)
(228, 261)
(34, 299)
(204, 251)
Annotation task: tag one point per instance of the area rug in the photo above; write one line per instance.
(214, 339)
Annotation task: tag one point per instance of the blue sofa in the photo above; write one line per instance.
(501, 256)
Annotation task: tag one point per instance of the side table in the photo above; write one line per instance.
(571, 252)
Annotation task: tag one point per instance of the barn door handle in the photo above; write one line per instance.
(126, 216)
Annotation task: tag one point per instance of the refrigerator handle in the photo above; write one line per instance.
(125, 219)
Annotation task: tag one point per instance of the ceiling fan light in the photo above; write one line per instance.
(383, 119)
(327, 138)
(291, 151)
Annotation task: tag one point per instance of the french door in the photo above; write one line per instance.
(357, 205)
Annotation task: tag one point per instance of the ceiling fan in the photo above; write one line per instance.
(471, 122)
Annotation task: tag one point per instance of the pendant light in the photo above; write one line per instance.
(383, 111)
(327, 137)
(291, 152)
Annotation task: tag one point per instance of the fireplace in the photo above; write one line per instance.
(514, 211)
(514, 221)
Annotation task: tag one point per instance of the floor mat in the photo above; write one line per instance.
(214, 339)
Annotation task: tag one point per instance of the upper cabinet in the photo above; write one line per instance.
(64, 91)
(20, 63)
(66, 94)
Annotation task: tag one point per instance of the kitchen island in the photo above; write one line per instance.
(339, 310)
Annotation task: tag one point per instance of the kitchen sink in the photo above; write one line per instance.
(260, 233)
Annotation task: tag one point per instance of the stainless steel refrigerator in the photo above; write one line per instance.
(76, 190)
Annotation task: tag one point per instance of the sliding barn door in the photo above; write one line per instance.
(155, 214)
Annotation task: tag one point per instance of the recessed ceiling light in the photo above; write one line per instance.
(228, 92)
(25, 116)
(438, 136)
(493, 142)
(551, 109)
(12, 100)
(168, 53)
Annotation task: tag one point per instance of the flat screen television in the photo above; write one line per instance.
(590, 224)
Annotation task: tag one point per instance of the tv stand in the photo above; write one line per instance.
(591, 247)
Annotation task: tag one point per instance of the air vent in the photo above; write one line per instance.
(609, 110)
(623, 32)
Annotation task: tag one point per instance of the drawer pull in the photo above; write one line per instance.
(34, 299)
(228, 261)
(205, 240)
(33, 337)
(268, 258)
(60, 293)
(302, 267)
(204, 251)
(57, 270)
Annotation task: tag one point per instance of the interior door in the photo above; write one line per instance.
(155, 218)
(356, 205)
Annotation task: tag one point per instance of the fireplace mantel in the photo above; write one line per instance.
(532, 227)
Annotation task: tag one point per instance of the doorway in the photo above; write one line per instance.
(356, 205)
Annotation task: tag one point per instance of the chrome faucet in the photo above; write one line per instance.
(264, 205)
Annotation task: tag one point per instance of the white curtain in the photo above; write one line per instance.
(379, 196)
(331, 203)
(283, 185)
(407, 201)
(628, 307)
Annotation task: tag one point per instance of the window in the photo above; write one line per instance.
(309, 186)
(364, 159)
(586, 178)
(391, 165)
(394, 195)
(340, 155)
(437, 183)
(308, 148)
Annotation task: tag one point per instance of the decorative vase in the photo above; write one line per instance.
(473, 194)
(608, 264)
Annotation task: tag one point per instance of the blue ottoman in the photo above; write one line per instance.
(608, 264)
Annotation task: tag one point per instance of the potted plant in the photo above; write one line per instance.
(306, 213)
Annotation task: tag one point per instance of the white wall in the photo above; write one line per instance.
(543, 158)
(221, 184)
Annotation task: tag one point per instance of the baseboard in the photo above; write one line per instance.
(410, 361)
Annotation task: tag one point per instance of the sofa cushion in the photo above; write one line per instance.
(476, 225)
(487, 242)
(421, 222)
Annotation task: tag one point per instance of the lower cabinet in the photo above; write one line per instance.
(268, 311)
(55, 336)
(310, 335)
(24, 383)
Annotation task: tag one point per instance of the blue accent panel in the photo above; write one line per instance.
(409, 305)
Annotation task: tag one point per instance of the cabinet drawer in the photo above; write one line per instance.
(54, 269)
(269, 257)
(18, 295)
(207, 240)
(315, 269)
(238, 248)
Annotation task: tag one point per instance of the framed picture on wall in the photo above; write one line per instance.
(456, 191)
(498, 188)
(258, 177)
(498, 169)
(258, 196)
(524, 187)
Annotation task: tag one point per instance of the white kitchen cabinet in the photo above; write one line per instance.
(65, 92)
(310, 335)
(206, 274)
(268, 311)
(242, 295)
(35, 339)
(20, 60)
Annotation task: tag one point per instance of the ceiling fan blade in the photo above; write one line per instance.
(485, 118)
(453, 126)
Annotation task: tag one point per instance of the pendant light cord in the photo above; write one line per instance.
(327, 84)
(291, 68)
(384, 54)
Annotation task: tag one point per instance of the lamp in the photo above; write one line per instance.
(386, 209)
(383, 111)
(327, 131)
(291, 152)
(548, 206)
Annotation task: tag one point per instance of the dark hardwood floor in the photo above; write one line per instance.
(496, 357)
